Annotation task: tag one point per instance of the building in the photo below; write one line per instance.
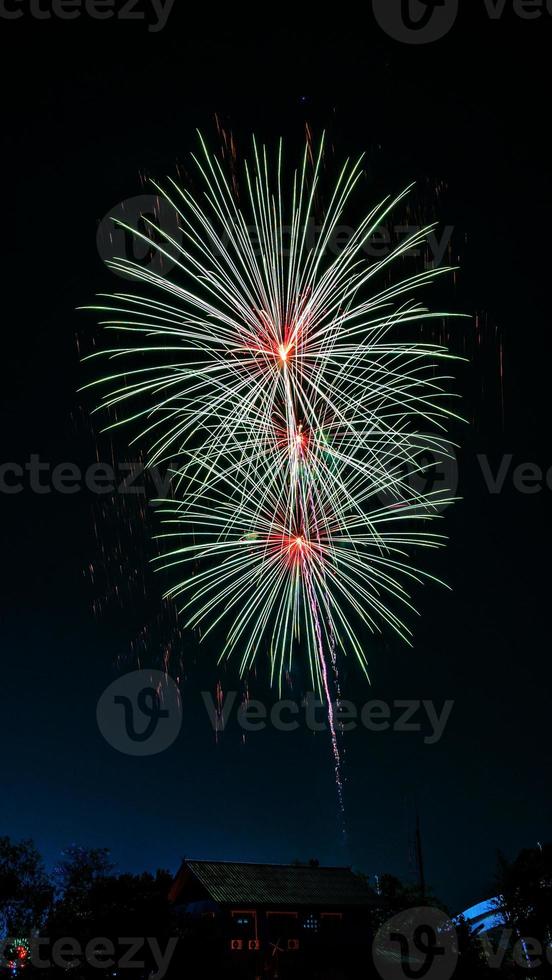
(253, 920)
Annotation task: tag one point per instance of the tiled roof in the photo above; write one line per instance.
(229, 882)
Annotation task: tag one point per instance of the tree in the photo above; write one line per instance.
(397, 896)
(25, 891)
(524, 888)
(472, 962)
(80, 869)
(92, 903)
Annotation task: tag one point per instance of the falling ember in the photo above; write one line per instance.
(327, 693)
(335, 744)
(219, 716)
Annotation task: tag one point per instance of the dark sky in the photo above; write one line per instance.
(88, 108)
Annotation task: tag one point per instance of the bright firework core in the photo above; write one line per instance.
(299, 548)
(295, 548)
(300, 439)
(292, 438)
(284, 351)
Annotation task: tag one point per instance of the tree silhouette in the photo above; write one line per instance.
(25, 891)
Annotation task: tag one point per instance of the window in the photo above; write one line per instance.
(244, 923)
(311, 922)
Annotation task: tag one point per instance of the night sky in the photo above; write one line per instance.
(89, 108)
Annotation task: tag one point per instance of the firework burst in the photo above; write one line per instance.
(277, 382)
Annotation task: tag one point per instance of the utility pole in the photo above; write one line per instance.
(420, 857)
(415, 850)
